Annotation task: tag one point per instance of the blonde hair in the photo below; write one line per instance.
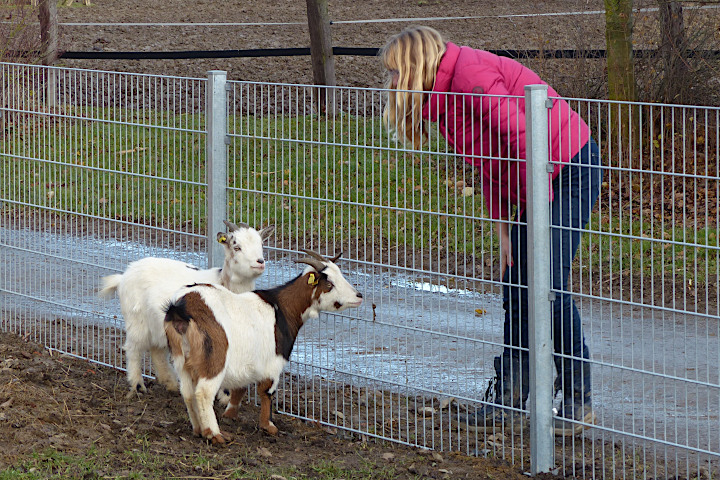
(414, 54)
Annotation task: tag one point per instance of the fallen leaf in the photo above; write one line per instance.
(426, 411)
(495, 439)
(264, 452)
(137, 149)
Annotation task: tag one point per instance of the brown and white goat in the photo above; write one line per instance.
(219, 339)
(147, 287)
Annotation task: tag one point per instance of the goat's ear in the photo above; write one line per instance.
(267, 232)
(222, 237)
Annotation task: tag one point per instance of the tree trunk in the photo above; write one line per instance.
(618, 36)
(323, 62)
(48, 31)
(49, 47)
(621, 76)
(672, 51)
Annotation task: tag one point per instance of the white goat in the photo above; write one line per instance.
(147, 287)
(219, 339)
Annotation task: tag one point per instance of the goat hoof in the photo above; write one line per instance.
(172, 388)
(270, 428)
(135, 392)
(231, 412)
(217, 439)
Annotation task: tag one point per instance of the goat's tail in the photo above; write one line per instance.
(109, 285)
(177, 322)
(176, 314)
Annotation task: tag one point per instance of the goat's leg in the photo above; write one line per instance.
(266, 407)
(134, 368)
(163, 370)
(236, 396)
(204, 398)
(187, 390)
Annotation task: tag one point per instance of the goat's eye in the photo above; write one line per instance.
(330, 285)
(236, 248)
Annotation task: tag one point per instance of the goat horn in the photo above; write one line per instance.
(231, 226)
(336, 257)
(315, 255)
(317, 265)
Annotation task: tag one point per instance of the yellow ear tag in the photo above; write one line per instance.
(222, 239)
(312, 280)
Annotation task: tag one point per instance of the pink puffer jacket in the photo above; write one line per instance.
(489, 130)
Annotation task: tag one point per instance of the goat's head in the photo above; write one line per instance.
(244, 248)
(333, 293)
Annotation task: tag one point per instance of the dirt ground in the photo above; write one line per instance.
(511, 24)
(53, 402)
(489, 33)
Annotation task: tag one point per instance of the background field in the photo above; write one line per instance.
(513, 24)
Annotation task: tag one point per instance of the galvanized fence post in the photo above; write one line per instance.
(216, 152)
(542, 445)
(51, 96)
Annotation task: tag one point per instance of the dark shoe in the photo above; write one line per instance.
(493, 417)
(576, 412)
(573, 418)
(508, 390)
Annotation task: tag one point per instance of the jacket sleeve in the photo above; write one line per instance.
(501, 118)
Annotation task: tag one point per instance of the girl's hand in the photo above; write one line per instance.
(506, 258)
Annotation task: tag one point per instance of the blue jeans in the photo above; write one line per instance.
(576, 189)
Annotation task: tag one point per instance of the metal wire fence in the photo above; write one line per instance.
(100, 169)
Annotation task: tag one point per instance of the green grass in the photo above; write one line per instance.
(52, 464)
(128, 172)
(324, 184)
(305, 174)
(137, 173)
(657, 252)
(148, 463)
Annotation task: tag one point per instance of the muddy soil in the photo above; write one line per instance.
(56, 402)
